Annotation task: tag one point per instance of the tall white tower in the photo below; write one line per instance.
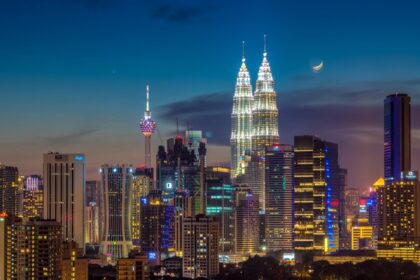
(241, 130)
(265, 113)
(147, 127)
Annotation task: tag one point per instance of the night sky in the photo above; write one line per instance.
(73, 74)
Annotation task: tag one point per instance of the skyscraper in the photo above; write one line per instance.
(265, 121)
(32, 249)
(200, 247)
(157, 227)
(279, 197)
(247, 222)
(399, 199)
(64, 189)
(141, 185)
(92, 215)
(241, 130)
(318, 194)
(221, 205)
(147, 127)
(9, 189)
(33, 196)
(397, 136)
(116, 211)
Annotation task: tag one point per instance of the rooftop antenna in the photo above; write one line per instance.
(243, 51)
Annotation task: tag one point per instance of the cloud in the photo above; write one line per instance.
(181, 14)
(71, 137)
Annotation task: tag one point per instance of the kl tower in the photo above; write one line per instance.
(147, 127)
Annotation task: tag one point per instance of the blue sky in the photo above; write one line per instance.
(72, 73)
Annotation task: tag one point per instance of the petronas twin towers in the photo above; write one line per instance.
(254, 116)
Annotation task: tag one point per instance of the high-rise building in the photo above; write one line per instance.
(397, 136)
(247, 222)
(254, 177)
(221, 205)
(9, 189)
(141, 185)
(241, 129)
(64, 189)
(200, 247)
(147, 127)
(33, 196)
(279, 160)
(157, 227)
(399, 212)
(265, 122)
(318, 195)
(116, 211)
(32, 249)
(92, 209)
(179, 169)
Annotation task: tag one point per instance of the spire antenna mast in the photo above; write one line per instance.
(147, 97)
(265, 44)
(243, 51)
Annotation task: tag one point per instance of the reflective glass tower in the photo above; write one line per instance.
(397, 145)
(264, 113)
(241, 130)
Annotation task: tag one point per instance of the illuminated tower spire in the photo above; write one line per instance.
(147, 127)
(264, 112)
(241, 130)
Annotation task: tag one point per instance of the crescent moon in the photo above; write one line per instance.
(318, 68)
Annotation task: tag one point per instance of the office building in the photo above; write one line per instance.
(31, 249)
(116, 211)
(397, 136)
(399, 213)
(279, 161)
(9, 190)
(141, 185)
(265, 121)
(318, 195)
(247, 222)
(241, 121)
(221, 205)
(64, 189)
(362, 237)
(157, 227)
(33, 196)
(200, 247)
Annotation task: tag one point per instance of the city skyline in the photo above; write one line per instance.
(82, 102)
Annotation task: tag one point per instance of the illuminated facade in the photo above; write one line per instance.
(33, 204)
(241, 130)
(200, 247)
(147, 127)
(399, 213)
(92, 215)
(157, 227)
(133, 268)
(116, 211)
(362, 237)
(279, 197)
(64, 193)
(247, 222)
(318, 195)
(9, 190)
(221, 205)
(265, 123)
(141, 185)
(30, 249)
